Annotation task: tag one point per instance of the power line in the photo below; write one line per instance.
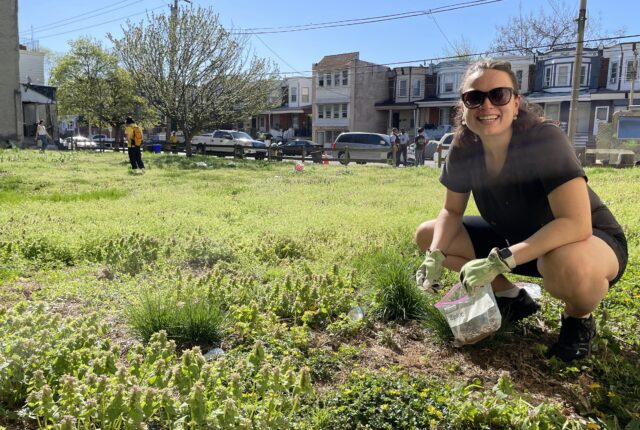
(361, 21)
(80, 17)
(99, 24)
(477, 54)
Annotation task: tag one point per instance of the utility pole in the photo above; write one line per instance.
(577, 66)
(634, 74)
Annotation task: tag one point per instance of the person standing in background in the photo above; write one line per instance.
(42, 136)
(419, 151)
(404, 143)
(133, 134)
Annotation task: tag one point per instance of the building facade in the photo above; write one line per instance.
(11, 120)
(345, 91)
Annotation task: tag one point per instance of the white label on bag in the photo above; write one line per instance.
(467, 313)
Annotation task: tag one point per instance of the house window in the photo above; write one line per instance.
(344, 110)
(552, 111)
(613, 73)
(336, 111)
(402, 88)
(547, 76)
(336, 78)
(562, 79)
(327, 111)
(519, 78)
(320, 112)
(584, 78)
(345, 77)
(304, 98)
(293, 91)
(447, 83)
(261, 122)
(417, 87)
(321, 80)
(630, 71)
(327, 79)
(444, 116)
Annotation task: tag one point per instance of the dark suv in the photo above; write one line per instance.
(363, 147)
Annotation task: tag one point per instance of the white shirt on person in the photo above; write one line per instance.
(42, 131)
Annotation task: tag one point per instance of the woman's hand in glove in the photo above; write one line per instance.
(430, 270)
(482, 271)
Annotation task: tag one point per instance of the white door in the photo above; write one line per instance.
(601, 115)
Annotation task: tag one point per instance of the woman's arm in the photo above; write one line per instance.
(572, 211)
(449, 220)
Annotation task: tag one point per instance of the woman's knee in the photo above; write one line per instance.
(569, 276)
(424, 234)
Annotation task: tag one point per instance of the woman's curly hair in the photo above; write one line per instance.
(529, 115)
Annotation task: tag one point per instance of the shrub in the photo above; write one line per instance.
(206, 252)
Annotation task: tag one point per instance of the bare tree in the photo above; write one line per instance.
(194, 71)
(461, 48)
(525, 34)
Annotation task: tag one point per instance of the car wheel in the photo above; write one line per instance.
(200, 149)
(342, 158)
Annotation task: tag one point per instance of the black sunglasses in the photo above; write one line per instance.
(497, 96)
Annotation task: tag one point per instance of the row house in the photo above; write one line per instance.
(345, 92)
(428, 96)
(292, 116)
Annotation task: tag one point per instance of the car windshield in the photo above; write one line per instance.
(240, 135)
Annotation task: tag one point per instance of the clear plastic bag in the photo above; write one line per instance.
(471, 317)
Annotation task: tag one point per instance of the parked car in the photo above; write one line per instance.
(78, 142)
(103, 140)
(363, 147)
(444, 145)
(295, 147)
(436, 133)
(226, 142)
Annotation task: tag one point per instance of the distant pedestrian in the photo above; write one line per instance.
(402, 148)
(419, 148)
(173, 142)
(394, 139)
(133, 134)
(42, 136)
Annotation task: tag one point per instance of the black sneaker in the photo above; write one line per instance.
(517, 308)
(574, 341)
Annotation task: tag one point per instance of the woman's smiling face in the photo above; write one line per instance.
(488, 121)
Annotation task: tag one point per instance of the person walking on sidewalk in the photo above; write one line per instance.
(133, 134)
(538, 217)
(419, 148)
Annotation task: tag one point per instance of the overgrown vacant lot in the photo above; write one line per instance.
(114, 285)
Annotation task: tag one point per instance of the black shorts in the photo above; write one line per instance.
(484, 239)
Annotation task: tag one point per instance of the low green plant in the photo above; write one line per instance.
(128, 254)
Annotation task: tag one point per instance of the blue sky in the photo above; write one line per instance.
(54, 23)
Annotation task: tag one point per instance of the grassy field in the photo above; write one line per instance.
(114, 285)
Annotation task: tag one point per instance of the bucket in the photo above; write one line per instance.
(470, 317)
(157, 148)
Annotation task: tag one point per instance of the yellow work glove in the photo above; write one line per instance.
(482, 271)
(430, 270)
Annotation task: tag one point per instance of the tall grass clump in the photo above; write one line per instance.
(189, 315)
(396, 295)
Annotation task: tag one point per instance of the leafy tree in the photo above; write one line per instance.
(525, 34)
(91, 84)
(194, 71)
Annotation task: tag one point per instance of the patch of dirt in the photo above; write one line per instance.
(516, 355)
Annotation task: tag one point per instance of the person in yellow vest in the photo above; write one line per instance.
(133, 134)
(173, 142)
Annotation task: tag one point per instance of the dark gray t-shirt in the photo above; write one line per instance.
(515, 202)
